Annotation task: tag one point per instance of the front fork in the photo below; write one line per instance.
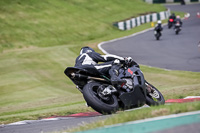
(151, 91)
(149, 88)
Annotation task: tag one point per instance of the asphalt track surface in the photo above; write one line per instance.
(50, 125)
(176, 52)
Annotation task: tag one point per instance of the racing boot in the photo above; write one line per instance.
(113, 72)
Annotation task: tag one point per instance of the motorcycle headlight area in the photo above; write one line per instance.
(129, 83)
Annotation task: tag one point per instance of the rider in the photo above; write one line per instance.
(178, 20)
(173, 16)
(159, 27)
(88, 60)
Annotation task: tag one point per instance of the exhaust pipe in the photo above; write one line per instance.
(82, 77)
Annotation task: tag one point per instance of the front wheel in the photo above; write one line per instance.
(154, 96)
(102, 104)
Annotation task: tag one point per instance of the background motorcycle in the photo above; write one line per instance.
(105, 98)
(177, 28)
(170, 23)
(157, 34)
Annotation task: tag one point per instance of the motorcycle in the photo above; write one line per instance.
(157, 34)
(105, 98)
(170, 23)
(177, 28)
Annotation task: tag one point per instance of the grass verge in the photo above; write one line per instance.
(144, 113)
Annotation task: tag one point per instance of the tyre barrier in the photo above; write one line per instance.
(137, 21)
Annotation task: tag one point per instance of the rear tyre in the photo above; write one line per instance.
(103, 105)
(157, 37)
(169, 26)
(155, 97)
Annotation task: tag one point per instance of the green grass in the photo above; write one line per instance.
(39, 39)
(144, 113)
(51, 23)
(174, 84)
(33, 82)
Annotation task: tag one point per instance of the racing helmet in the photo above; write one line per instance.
(177, 16)
(86, 50)
(128, 61)
(159, 22)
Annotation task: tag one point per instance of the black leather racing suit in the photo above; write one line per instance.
(158, 28)
(178, 20)
(89, 61)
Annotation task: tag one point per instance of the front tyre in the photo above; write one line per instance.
(154, 96)
(103, 105)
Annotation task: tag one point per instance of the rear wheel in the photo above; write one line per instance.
(100, 103)
(177, 31)
(154, 96)
(169, 26)
(158, 37)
